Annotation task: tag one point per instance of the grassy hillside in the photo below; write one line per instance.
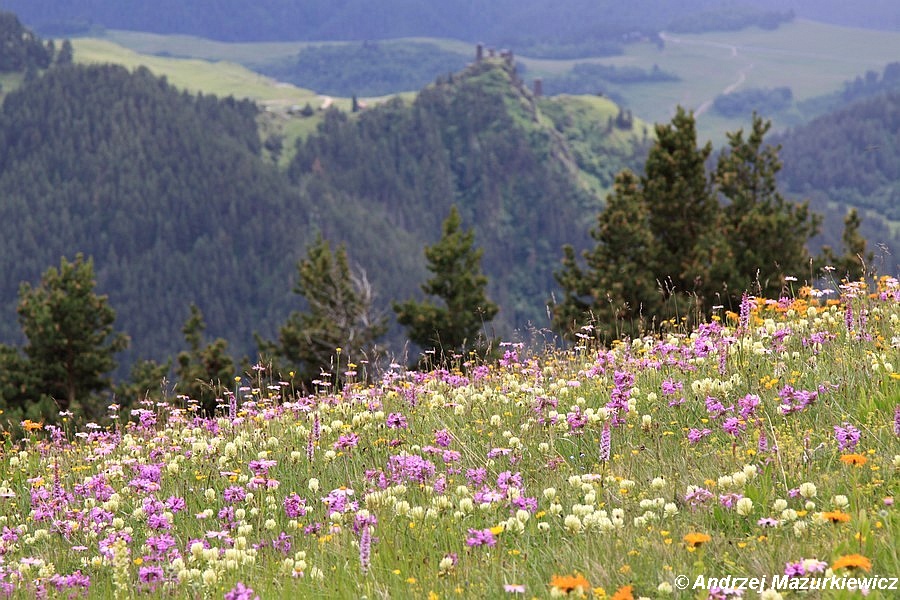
(220, 77)
(767, 451)
(808, 57)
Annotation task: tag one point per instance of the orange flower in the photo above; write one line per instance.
(836, 516)
(29, 425)
(854, 459)
(570, 583)
(624, 593)
(852, 561)
(696, 539)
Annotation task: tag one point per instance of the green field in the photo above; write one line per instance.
(811, 58)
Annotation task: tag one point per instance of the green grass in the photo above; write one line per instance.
(434, 463)
(196, 75)
(810, 58)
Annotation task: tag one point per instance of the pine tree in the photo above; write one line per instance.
(767, 233)
(204, 373)
(71, 340)
(857, 259)
(618, 284)
(339, 313)
(458, 282)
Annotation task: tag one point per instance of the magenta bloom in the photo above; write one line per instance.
(241, 592)
(695, 435)
(346, 441)
(480, 537)
(396, 421)
(847, 436)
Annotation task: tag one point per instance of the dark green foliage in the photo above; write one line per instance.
(20, 49)
(730, 18)
(455, 322)
(368, 68)
(852, 154)
(338, 322)
(618, 285)
(768, 235)
(147, 381)
(479, 141)
(166, 192)
(856, 261)
(667, 249)
(204, 373)
(70, 344)
(757, 100)
(591, 78)
(684, 212)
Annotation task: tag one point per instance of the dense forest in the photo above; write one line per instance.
(850, 157)
(367, 68)
(167, 192)
(532, 27)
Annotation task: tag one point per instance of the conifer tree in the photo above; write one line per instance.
(455, 322)
(339, 313)
(856, 261)
(71, 340)
(767, 234)
(684, 214)
(204, 373)
(618, 286)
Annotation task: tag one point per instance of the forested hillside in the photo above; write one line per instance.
(533, 27)
(481, 141)
(165, 190)
(170, 196)
(850, 157)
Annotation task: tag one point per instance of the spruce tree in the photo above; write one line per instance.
(684, 214)
(856, 261)
(618, 285)
(339, 314)
(204, 373)
(767, 234)
(454, 323)
(71, 340)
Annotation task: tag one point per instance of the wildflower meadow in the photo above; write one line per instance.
(763, 443)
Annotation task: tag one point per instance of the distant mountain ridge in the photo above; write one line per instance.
(169, 194)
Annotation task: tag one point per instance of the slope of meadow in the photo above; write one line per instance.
(762, 444)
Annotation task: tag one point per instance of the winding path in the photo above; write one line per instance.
(742, 73)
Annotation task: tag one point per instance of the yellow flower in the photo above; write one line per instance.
(624, 593)
(836, 516)
(852, 561)
(569, 583)
(696, 539)
(29, 425)
(857, 460)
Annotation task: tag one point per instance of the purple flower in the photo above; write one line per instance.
(442, 438)
(240, 592)
(151, 575)
(176, 504)
(234, 494)
(365, 548)
(396, 421)
(480, 537)
(847, 436)
(698, 497)
(294, 506)
(605, 441)
(347, 441)
(734, 426)
(695, 435)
